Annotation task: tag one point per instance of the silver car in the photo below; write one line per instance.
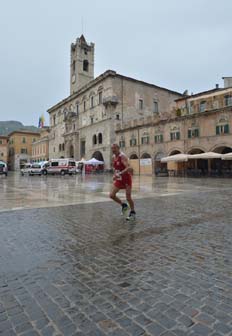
(26, 170)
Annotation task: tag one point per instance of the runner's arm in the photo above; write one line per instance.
(126, 164)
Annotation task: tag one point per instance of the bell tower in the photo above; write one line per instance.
(82, 64)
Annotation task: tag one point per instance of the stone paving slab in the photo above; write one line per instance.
(83, 270)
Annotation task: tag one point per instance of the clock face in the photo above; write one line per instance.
(73, 78)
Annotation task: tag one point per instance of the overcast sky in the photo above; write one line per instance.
(177, 44)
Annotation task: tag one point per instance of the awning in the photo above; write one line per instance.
(205, 156)
(177, 158)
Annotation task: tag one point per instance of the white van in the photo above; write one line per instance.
(60, 166)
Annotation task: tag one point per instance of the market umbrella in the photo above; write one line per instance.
(227, 156)
(177, 158)
(207, 155)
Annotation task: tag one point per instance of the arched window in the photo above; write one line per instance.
(94, 139)
(100, 138)
(86, 65)
(91, 102)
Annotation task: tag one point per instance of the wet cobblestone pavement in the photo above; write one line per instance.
(81, 269)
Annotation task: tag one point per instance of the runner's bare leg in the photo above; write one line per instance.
(113, 195)
(129, 199)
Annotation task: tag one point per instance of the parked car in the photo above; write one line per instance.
(37, 168)
(26, 170)
(3, 168)
(60, 166)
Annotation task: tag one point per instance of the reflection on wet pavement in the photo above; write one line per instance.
(19, 192)
(82, 269)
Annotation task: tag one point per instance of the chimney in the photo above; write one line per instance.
(217, 86)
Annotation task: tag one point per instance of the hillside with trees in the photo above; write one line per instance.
(7, 127)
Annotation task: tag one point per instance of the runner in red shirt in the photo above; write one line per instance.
(122, 180)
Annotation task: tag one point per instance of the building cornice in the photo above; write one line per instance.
(23, 132)
(175, 119)
(106, 74)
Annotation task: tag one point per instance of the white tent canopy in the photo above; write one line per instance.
(207, 155)
(177, 158)
(94, 162)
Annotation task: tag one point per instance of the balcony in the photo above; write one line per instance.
(110, 101)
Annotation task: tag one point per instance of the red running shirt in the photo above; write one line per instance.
(125, 179)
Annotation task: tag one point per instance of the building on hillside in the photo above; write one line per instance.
(3, 148)
(40, 148)
(20, 147)
(83, 124)
(199, 123)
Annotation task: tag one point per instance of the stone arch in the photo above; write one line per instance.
(133, 156)
(175, 151)
(222, 149)
(98, 156)
(145, 156)
(196, 150)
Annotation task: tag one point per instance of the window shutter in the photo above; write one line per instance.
(171, 136)
(178, 135)
(217, 130)
(161, 138)
(189, 134)
(196, 132)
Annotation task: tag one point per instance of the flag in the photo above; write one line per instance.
(41, 121)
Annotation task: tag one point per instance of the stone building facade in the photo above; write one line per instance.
(20, 147)
(3, 148)
(40, 148)
(198, 123)
(83, 125)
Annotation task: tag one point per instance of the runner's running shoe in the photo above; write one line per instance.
(131, 215)
(124, 208)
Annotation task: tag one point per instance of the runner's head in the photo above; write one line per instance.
(115, 149)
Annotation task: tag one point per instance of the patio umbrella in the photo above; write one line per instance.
(227, 156)
(207, 155)
(177, 158)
